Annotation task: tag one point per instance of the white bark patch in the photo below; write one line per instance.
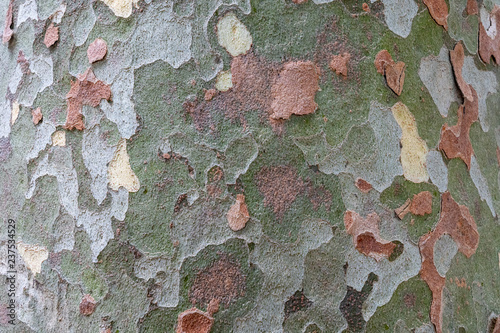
(437, 170)
(481, 184)
(414, 149)
(437, 75)
(399, 15)
(28, 10)
(33, 256)
(233, 35)
(444, 251)
(119, 172)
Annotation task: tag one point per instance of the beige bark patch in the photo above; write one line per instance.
(238, 215)
(33, 256)
(59, 138)
(224, 81)
(14, 112)
(366, 235)
(295, 89)
(119, 171)
(121, 8)
(233, 35)
(97, 50)
(414, 150)
(51, 35)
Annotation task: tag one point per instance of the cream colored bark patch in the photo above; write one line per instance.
(414, 150)
(121, 8)
(224, 81)
(33, 256)
(14, 113)
(119, 171)
(233, 35)
(59, 138)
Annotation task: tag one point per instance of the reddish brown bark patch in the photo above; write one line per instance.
(472, 7)
(194, 321)
(209, 94)
(299, 1)
(366, 235)
(238, 215)
(455, 140)
(439, 11)
(23, 62)
(339, 62)
(37, 115)
(86, 90)
(87, 305)
(496, 328)
(223, 280)
(51, 35)
(456, 221)
(488, 46)
(7, 31)
(498, 156)
(363, 185)
(97, 50)
(280, 186)
(421, 204)
(394, 72)
(366, 8)
(457, 60)
(294, 90)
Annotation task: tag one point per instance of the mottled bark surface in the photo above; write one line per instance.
(249, 166)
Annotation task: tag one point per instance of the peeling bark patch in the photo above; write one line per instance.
(33, 256)
(363, 185)
(280, 186)
(421, 204)
(414, 150)
(489, 39)
(455, 140)
(7, 31)
(439, 11)
(403, 210)
(366, 235)
(472, 7)
(352, 304)
(86, 90)
(339, 63)
(194, 321)
(394, 72)
(296, 302)
(457, 60)
(51, 35)
(36, 115)
(59, 138)
(233, 35)
(294, 90)
(238, 215)
(456, 221)
(5, 149)
(97, 50)
(119, 171)
(223, 281)
(87, 305)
